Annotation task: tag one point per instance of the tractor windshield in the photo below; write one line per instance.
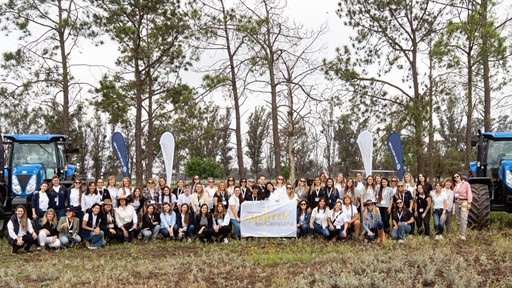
(34, 153)
(497, 151)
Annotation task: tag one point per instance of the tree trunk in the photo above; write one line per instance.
(150, 156)
(291, 131)
(430, 145)
(417, 115)
(486, 70)
(138, 108)
(65, 73)
(236, 98)
(469, 112)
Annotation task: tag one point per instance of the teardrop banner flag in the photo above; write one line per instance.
(167, 145)
(119, 146)
(394, 144)
(365, 142)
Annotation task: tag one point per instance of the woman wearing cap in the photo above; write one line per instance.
(204, 224)
(126, 218)
(303, 217)
(40, 202)
(385, 203)
(372, 222)
(350, 210)
(108, 223)
(338, 222)
(402, 220)
(422, 210)
(221, 222)
(150, 223)
(254, 195)
(91, 231)
(48, 234)
(234, 210)
(318, 221)
(440, 203)
(167, 221)
(185, 220)
(20, 231)
(463, 199)
(68, 228)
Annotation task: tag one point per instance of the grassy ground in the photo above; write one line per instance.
(484, 260)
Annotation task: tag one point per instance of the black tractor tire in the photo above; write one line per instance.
(480, 213)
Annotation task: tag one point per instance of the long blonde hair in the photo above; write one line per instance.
(375, 212)
(24, 219)
(45, 217)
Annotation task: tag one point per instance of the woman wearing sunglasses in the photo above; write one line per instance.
(402, 220)
(463, 198)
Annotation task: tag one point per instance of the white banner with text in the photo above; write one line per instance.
(268, 219)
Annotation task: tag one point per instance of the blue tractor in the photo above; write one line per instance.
(491, 177)
(26, 161)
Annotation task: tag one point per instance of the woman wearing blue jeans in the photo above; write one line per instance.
(234, 210)
(440, 203)
(402, 220)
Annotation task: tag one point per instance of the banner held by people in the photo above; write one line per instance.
(167, 145)
(394, 144)
(119, 146)
(268, 219)
(365, 142)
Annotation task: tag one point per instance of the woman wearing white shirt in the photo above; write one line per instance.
(318, 221)
(40, 202)
(221, 222)
(338, 222)
(199, 197)
(112, 189)
(184, 198)
(211, 190)
(90, 197)
(440, 203)
(273, 195)
(289, 195)
(385, 202)
(234, 209)
(126, 187)
(126, 218)
(450, 196)
(20, 231)
(75, 200)
(354, 222)
(340, 185)
(280, 187)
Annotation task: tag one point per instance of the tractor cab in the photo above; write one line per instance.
(494, 162)
(29, 160)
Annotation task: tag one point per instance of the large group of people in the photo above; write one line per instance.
(373, 209)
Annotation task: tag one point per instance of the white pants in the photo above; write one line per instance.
(48, 240)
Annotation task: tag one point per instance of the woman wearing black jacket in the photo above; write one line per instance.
(204, 224)
(108, 223)
(150, 223)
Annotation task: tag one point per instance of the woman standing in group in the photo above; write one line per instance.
(231, 185)
(422, 205)
(234, 209)
(318, 221)
(463, 199)
(221, 196)
(193, 184)
(151, 194)
(316, 193)
(68, 228)
(340, 184)
(369, 190)
(440, 203)
(450, 197)
(372, 222)
(91, 231)
(423, 181)
(20, 231)
(199, 198)
(40, 202)
(136, 200)
(126, 218)
(113, 190)
(167, 221)
(409, 183)
(166, 197)
(303, 217)
(272, 193)
(289, 195)
(244, 191)
(184, 227)
(75, 200)
(90, 197)
(204, 224)
(178, 190)
(108, 224)
(126, 187)
(280, 187)
(48, 234)
(331, 193)
(323, 178)
(150, 223)
(350, 210)
(222, 222)
(302, 189)
(385, 202)
(350, 190)
(211, 190)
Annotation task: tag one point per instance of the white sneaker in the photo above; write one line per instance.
(463, 237)
(427, 237)
(440, 237)
(437, 237)
(401, 241)
(226, 240)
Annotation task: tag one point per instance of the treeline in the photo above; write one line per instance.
(433, 71)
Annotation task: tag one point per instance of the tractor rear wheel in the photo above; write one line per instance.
(480, 214)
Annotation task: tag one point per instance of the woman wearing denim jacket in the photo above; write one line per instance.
(372, 222)
(303, 219)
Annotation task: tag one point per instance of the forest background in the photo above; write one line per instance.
(253, 87)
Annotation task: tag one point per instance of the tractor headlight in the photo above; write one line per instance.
(16, 187)
(508, 177)
(31, 186)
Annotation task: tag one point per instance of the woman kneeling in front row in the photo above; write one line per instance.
(68, 228)
(91, 228)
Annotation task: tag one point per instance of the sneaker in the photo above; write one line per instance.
(437, 237)
(401, 241)
(92, 247)
(440, 237)
(189, 240)
(226, 240)
(463, 237)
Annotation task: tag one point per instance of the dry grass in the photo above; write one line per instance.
(482, 261)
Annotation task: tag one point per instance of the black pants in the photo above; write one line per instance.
(117, 236)
(206, 235)
(28, 242)
(425, 222)
(223, 231)
(385, 218)
(128, 227)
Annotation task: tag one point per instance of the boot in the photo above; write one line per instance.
(380, 236)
